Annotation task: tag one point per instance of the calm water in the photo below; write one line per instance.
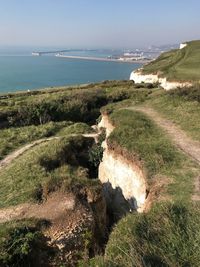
(22, 71)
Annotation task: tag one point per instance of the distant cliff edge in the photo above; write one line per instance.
(172, 69)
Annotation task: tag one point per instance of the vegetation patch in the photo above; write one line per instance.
(139, 140)
(177, 65)
(70, 104)
(14, 137)
(167, 236)
(23, 244)
(57, 164)
(75, 128)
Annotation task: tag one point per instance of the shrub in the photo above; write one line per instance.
(95, 155)
(24, 246)
(191, 94)
(37, 193)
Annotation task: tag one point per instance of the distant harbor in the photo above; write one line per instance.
(120, 57)
(105, 59)
(40, 53)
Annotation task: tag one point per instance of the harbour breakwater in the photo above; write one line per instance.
(102, 59)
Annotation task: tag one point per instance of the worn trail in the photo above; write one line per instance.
(179, 138)
(13, 155)
(54, 206)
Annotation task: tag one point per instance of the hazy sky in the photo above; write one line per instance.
(98, 23)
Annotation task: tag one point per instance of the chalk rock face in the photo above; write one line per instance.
(125, 178)
(121, 178)
(138, 77)
(105, 123)
(183, 45)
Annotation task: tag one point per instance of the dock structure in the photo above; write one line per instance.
(103, 59)
(40, 53)
(36, 54)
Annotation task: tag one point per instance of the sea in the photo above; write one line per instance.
(20, 71)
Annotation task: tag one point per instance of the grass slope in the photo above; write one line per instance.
(137, 138)
(178, 65)
(45, 168)
(15, 137)
(168, 235)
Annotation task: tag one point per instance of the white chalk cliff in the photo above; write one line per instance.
(122, 174)
(138, 77)
(183, 45)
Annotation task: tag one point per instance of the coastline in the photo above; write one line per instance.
(103, 59)
(50, 71)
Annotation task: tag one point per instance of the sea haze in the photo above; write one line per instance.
(19, 70)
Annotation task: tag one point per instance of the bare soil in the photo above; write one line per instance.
(51, 209)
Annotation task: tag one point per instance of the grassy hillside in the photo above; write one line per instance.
(178, 65)
(138, 139)
(166, 236)
(45, 168)
(14, 137)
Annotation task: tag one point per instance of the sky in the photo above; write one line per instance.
(98, 23)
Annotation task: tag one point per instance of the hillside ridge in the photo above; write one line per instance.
(172, 69)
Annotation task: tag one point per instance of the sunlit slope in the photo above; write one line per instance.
(177, 65)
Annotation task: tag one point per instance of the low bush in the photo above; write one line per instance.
(71, 104)
(22, 244)
(75, 105)
(191, 94)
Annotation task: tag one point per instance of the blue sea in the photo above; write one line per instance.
(19, 70)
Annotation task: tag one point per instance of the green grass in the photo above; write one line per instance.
(15, 137)
(138, 139)
(75, 104)
(44, 169)
(178, 65)
(23, 244)
(75, 128)
(5, 228)
(167, 236)
(9, 102)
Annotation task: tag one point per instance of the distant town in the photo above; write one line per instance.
(135, 55)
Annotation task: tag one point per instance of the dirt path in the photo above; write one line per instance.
(179, 138)
(13, 155)
(50, 210)
(54, 206)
